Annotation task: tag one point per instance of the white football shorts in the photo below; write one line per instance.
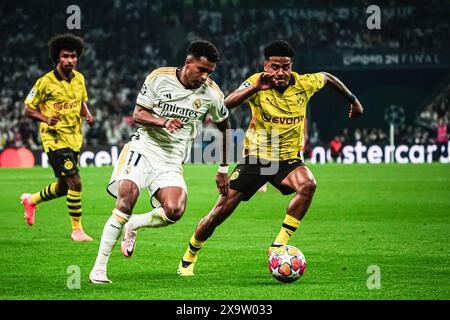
(148, 174)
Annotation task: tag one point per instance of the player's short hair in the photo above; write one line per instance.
(203, 48)
(66, 41)
(278, 48)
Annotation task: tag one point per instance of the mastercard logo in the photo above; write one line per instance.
(17, 158)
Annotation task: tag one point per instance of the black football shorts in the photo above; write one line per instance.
(64, 162)
(253, 173)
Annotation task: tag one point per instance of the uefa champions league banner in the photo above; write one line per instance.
(358, 153)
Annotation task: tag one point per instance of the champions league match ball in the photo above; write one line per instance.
(287, 264)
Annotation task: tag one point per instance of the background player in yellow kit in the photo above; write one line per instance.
(58, 100)
(278, 98)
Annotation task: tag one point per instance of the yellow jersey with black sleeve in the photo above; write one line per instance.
(55, 96)
(276, 129)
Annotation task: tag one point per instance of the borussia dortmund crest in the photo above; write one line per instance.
(234, 175)
(300, 99)
(68, 164)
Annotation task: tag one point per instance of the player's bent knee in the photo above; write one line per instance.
(126, 204)
(173, 212)
(127, 197)
(309, 187)
(77, 186)
(74, 184)
(61, 189)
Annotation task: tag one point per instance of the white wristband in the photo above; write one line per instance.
(222, 169)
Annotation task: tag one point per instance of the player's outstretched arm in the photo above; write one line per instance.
(222, 180)
(87, 114)
(36, 115)
(145, 117)
(237, 97)
(356, 109)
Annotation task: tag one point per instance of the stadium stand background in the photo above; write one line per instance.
(405, 64)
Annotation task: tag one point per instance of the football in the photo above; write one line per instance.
(287, 264)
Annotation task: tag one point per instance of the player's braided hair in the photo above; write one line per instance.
(278, 48)
(65, 42)
(203, 48)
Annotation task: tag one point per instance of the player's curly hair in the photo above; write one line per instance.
(203, 48)
(278, 48)
(66, 41)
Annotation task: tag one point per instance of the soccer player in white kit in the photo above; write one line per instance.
(171, 105)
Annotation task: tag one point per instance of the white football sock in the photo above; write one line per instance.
(111, 233)
(153, 219)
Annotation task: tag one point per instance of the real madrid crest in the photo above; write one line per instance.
(197, 103)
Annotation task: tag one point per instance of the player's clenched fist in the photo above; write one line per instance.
(265, 81)
(356, 109)
(173, 124)
(51, 121)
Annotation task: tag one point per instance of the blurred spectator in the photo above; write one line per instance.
(336, 148)
(313, 134)
(441, 138)
(345, 136)
(131, 38)
(407, 136)
(357, 135)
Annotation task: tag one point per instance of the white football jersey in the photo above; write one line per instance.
(166, 97)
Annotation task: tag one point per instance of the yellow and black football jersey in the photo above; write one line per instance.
(276, 128)
(56, 96)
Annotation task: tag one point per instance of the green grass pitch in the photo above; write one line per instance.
(394, 217)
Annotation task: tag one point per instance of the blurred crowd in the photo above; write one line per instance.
(431, 126)
(128, 39)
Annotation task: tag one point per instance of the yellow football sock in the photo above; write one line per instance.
(193, 248)
(46, 194)
(74, 208)
(290, 225)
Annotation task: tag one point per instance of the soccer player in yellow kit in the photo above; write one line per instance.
(58, 101)
(278, 98)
